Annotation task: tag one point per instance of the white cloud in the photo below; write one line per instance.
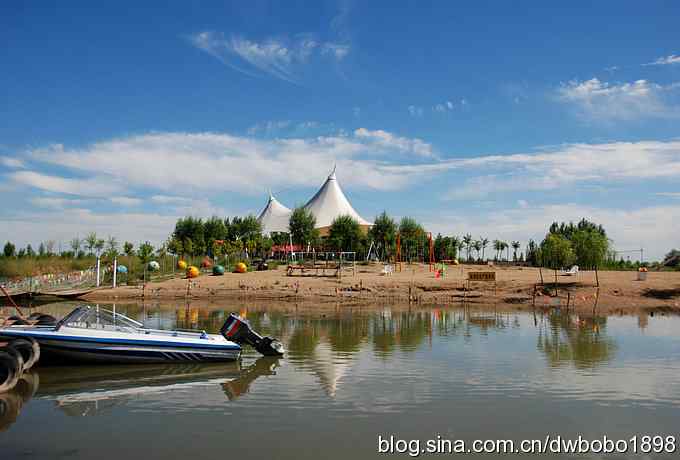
(567, 165)
(392, 142)
(669, 194)
(276, 57)
(11, 162)
(624, 101)
(665, 60)
(166, 199)
(63, 224)
(415, 111)
(125, 201)
(203, 162)
(652, 228)
(94, 187)
(56, 203)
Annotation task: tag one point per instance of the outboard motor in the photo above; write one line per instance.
(239, 331)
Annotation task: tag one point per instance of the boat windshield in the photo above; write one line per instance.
(99, 318)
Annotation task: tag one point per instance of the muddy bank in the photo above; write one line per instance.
(515, 288)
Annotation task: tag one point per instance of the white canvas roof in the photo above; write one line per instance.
(330, 202)
(274, 217)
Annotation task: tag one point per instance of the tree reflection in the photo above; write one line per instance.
(581, 341)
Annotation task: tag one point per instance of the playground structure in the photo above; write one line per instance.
(419, 251)
(313, 263)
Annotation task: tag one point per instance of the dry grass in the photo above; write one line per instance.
(13, 267)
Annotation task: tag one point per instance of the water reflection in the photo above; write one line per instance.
(581, 341)
(91, 390)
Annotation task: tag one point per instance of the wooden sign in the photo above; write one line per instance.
(482, 276)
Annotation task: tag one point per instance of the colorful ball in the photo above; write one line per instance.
(121, 269)
(206, 263)
(218, 270)
(193, 272)
(153, 266)
(182, 265)
(241, 267)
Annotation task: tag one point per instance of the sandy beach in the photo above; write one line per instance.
(619, 291)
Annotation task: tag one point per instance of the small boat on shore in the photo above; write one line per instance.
(94, 334)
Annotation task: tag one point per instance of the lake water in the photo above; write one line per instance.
(353, 374)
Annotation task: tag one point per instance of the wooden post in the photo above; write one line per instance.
(556, 293)
(597, 278)
(540, 272)
(98, 269)
(115, 271)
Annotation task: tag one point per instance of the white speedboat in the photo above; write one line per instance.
(100, 335)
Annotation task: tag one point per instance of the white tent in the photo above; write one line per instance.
(274, 217)
(330, 202)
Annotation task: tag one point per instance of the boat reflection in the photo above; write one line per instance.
(91, 390)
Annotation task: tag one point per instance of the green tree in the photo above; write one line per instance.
(41, 249)
(590, 248)
(129, 249)
(467, 243)
(515, 246)
(484, 242)
(412, 237)
(214, 229)
(29, 250)
(345, 234)
(533, 253)
(498, 247)
(454, 247)
(190, 228)
(175, 246)
(384, 233)
(111, 248)
(557, 251)
(477, 245)
(145, 254)
(76, 243)
(301, 225)
(90, 242)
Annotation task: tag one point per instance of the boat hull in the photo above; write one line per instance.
(58, 349)
(85, 352)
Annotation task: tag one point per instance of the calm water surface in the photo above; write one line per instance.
(351, 375)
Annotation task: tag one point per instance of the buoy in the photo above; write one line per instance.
(241, 267)
(193, 272)
(11, 365)
(153, 266)
(182, 265)
(29, 351)
(122, 269)
(218, 270)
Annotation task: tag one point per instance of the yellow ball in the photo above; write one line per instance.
(455, 262)
(182, 265)
(192, 272)
(241, 267)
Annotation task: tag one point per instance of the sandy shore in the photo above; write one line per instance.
(619, 291)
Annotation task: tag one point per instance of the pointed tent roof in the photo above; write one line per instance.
(274, 217)
(330, 202)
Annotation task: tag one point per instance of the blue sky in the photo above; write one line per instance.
(492, 118)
